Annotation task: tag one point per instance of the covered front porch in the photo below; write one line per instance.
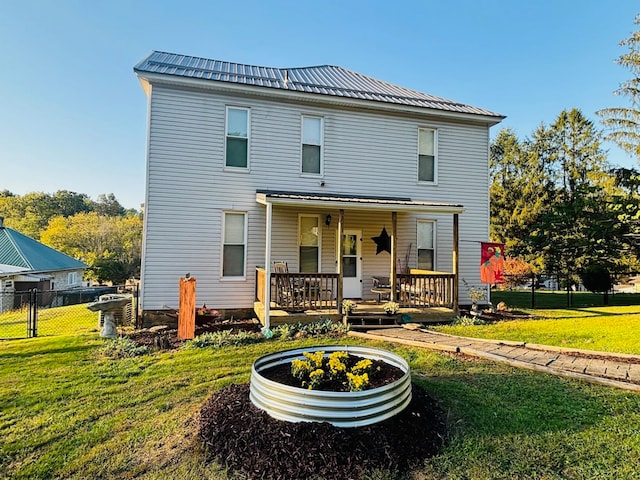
(284, 295)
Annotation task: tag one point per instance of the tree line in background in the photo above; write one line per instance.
(103, 234)
(557, 203)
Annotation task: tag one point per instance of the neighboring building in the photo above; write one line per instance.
(26, 263)
(247, 166)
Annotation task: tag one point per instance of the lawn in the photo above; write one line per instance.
(68, 412)
(69, 320)
(609, 329)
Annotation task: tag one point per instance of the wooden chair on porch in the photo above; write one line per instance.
(287, 292)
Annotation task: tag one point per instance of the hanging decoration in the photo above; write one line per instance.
(491, 262)
(383, 242)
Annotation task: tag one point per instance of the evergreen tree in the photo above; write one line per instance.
(623, 123)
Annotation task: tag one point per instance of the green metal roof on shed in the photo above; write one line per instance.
(25, 252)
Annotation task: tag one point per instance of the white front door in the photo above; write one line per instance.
(352, 263)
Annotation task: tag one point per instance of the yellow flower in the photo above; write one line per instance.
(358, 383)
(362, 366)
(315, 358)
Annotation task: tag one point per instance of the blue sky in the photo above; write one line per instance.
(73, 115)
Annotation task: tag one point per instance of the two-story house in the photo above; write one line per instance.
(293, 188)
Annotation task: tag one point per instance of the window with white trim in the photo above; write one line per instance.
(234, 250)
(427, 158)
(309, 243)
(237, 137)
(426, 245)
(312, 145)
(72, 278)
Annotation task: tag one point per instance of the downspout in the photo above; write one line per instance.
(267, 266)
(392, 272)
(340, 272)
(456, 260)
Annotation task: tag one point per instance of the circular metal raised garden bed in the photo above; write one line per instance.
(341, 409)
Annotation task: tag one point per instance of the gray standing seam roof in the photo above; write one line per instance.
(323, 80)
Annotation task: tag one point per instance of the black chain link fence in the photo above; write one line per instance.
(552, 290)
(64, 312)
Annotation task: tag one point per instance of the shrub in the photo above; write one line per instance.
(224, 338)
(123, 347)
(466, 321)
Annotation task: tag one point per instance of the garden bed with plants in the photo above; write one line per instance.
(248, 441)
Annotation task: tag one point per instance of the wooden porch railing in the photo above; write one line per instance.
(304, 291)
(422, 288)
(316, 291)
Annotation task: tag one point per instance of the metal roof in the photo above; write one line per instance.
(26, 253)
(339, 200)
(323, 80)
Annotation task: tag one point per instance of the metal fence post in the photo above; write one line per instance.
(533, 290)
(32, 318)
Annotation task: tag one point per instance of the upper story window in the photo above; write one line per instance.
(427, 155)
(312, 145)
(235, 242)
(426, 245)
(237, 138)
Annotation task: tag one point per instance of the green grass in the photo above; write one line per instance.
(67, 412)
(609, 329)
(69, 320)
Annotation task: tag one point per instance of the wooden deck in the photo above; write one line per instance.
(366, 313)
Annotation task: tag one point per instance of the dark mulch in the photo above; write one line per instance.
(167, 339)
(251, 443)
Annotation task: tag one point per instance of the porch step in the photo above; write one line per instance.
(372, 320)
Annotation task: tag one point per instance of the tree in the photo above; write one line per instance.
(518, 193)
(108, 205)
(578, 227)
(516, 272)
(111, 246)
(623, 123)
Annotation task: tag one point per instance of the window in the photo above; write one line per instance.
(427, 146)
(311, 145)
(234, 248)
(309, 243)
(426, 245)
(237, 139)
(72, 278)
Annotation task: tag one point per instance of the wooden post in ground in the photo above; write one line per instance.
(187, 309)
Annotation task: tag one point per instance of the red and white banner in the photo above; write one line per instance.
(491, 262)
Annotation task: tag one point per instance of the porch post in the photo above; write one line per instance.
(267, 267)
(392, 272)
(340, 272)
(455, 263)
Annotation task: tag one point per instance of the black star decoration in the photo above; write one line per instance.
(383, 242)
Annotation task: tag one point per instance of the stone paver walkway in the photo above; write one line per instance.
(613, 369)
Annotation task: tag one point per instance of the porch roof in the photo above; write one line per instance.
(358, 202)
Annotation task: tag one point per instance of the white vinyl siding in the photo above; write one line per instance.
(427, 155)
(426, 245)
(237, 138)
(312, 145)
(309, 243)
(235, 245)
(364, 153)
